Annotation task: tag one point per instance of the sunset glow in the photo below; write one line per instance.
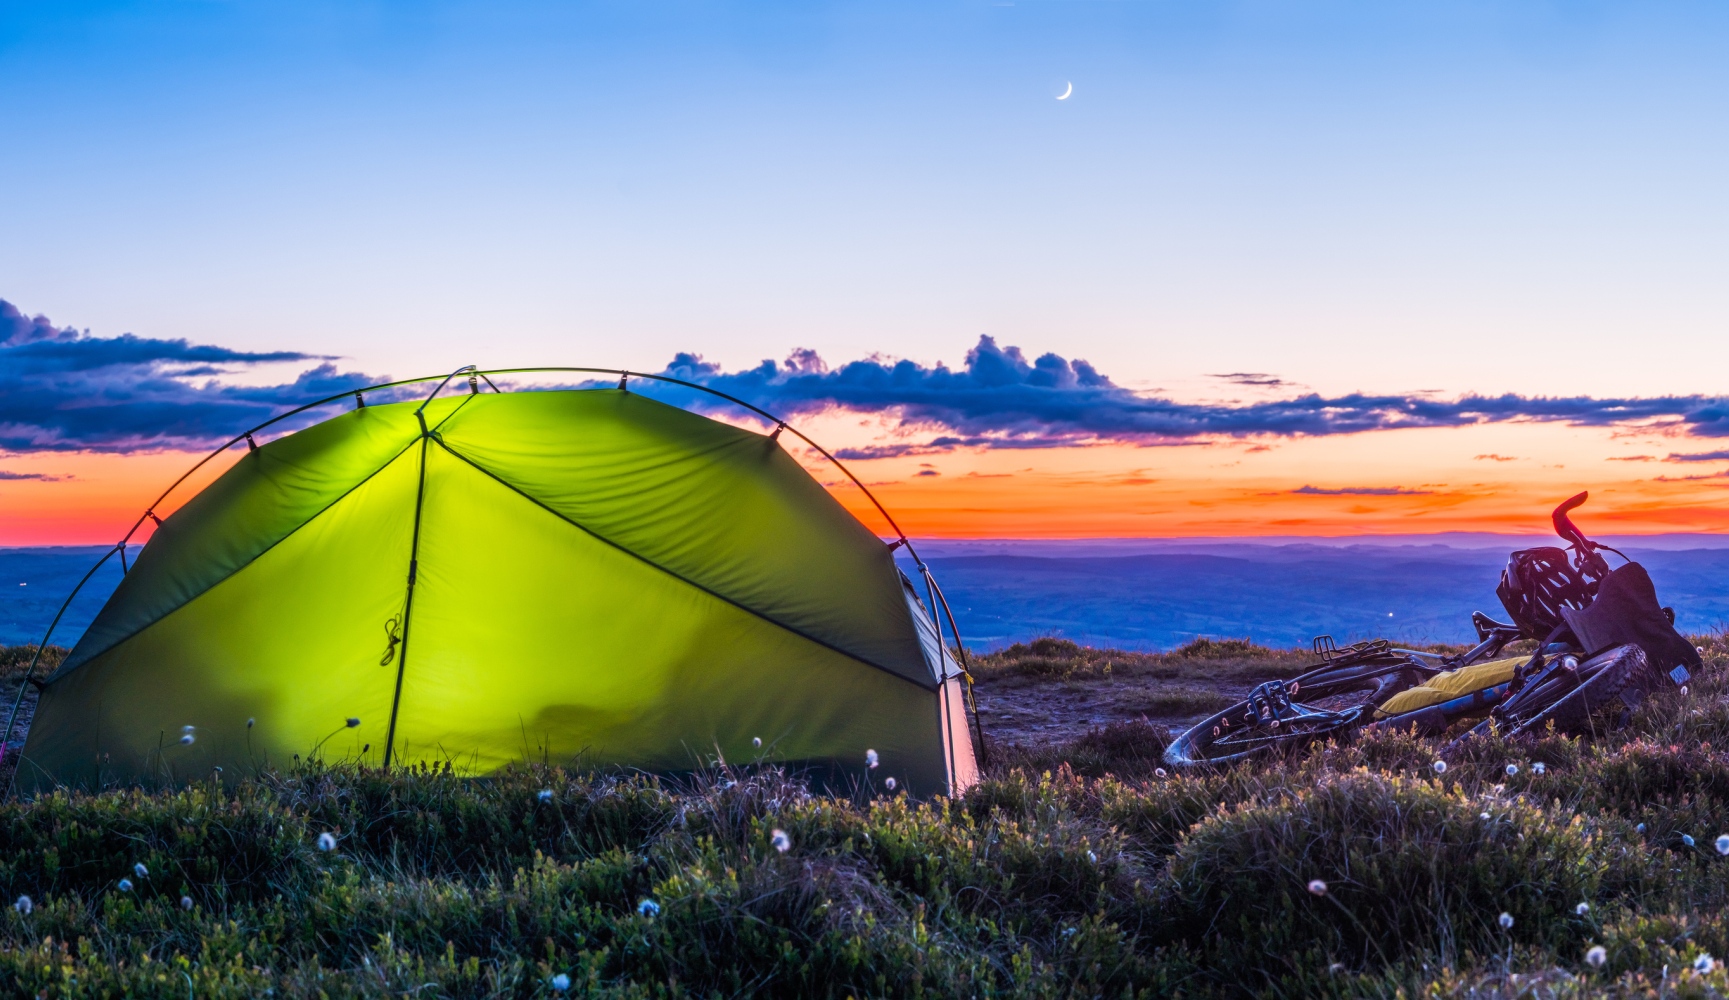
(1502, 478)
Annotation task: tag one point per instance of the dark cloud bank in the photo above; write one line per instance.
(66, 391)
(70, 391)
(1000, 399)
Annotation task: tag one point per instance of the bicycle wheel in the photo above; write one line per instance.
(1616, 679)
(1344, 693)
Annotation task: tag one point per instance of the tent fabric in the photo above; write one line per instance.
(568, 576)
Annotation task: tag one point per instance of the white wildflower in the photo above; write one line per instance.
(1483, 816)
(327, 841)
(186, 902)
(1506, 921)
(1687, 838)
(1512, 769)
(756, 741)
(1539, 768)
(648, 908)
(1596, 956)
(24, 905)
(1582, 909)
(125, 885)
(889, 783)
(141, 871)
(188, 740)
(1640, 828)
(1159, 772)
(1440, 767)
(1704, 964)
(871, 759)
(1317, 887)
(545, 795)
(561, 982)
(1092, 858)
(780, 840)
(1723, 843)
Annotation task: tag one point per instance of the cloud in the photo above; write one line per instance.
(1698, 456)
(8, 476)
(1000, 399)
(69, 391)
(1631, 458)
(1360, 491)
(1261, 379)
(1492, 457)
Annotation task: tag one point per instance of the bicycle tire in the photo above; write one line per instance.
(1622, 676)
(1214, 741)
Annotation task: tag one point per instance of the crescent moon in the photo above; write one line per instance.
(1065, 94)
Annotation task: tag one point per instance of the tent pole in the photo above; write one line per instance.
(36, 657)
(408, 601)
(966, 667)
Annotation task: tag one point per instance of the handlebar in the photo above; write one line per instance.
(1585, 551)
(1565, 527)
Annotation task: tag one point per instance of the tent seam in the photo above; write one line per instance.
(128, 637)
(676, 576)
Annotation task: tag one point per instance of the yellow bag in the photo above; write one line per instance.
(1450, 685)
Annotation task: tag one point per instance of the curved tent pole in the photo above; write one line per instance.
(414, 558)
(624, 375)
(937, 600)
(36, 657)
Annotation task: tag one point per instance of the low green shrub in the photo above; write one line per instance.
(1368, 867)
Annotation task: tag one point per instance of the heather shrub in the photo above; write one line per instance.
(1371, 867)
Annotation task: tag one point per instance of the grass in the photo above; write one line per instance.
(15, 661)
(1209, 659)
(1072, 870)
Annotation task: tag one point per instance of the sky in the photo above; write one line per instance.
(1269, 268)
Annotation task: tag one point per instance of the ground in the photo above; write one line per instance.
(1554, 867)
(1048, 690)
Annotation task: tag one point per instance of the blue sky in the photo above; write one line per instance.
(1464, 197)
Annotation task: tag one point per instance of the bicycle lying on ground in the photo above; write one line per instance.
(1602, 645)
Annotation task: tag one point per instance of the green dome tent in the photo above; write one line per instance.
(488, 578)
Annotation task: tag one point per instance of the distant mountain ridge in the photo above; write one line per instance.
(1138, 594)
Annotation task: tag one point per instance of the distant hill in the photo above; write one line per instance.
(1142, 594)
(1279, 595)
